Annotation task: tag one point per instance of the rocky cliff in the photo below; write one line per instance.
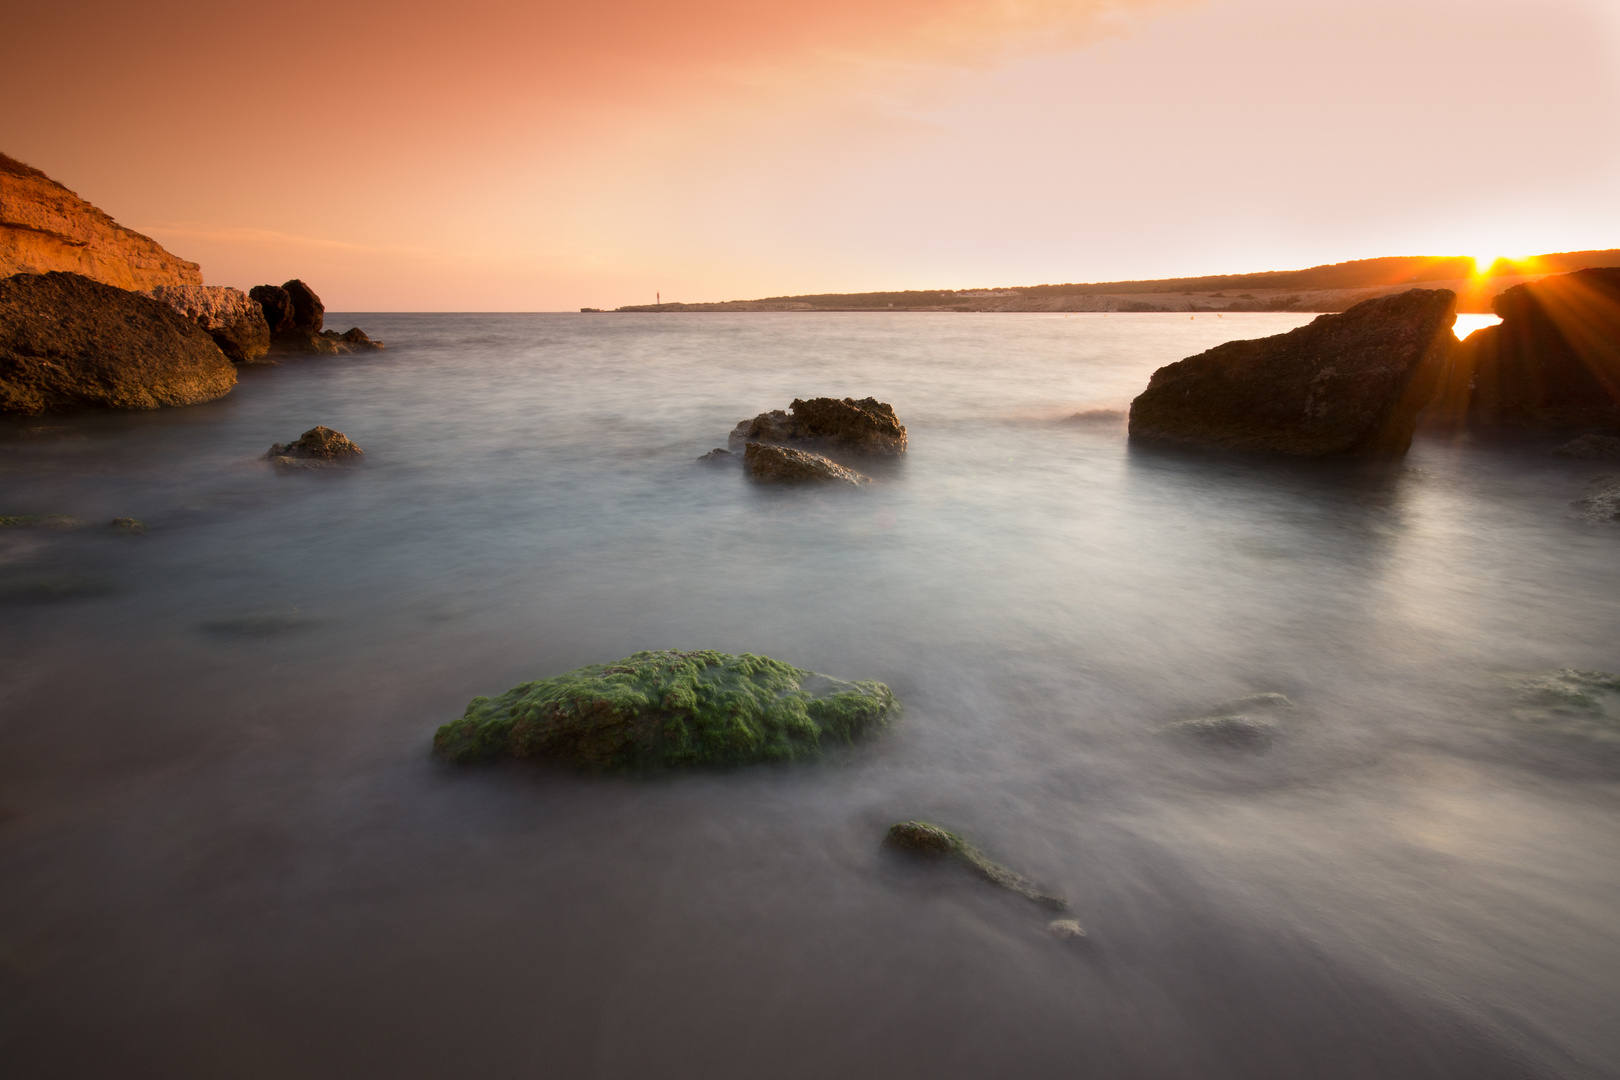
(45, 227)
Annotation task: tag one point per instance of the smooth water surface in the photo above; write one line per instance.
(225, 850)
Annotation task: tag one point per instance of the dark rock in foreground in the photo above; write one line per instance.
(296, 316)
(668, 708)
(67, 342)
(317, 448)
(1552, 362)
(233, 319)
(867, 426)
(1347, 384)
(785, 465)
(930, 841)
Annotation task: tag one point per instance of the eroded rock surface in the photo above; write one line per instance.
(772, 464)
(668, 708)
(867, 426)
(67, 342)
(231, 317)
(319, 447)
(1347, 384)
(46, 227)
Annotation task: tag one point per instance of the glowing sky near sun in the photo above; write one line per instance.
(496, 155)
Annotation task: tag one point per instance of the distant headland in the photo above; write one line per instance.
(1336, 287)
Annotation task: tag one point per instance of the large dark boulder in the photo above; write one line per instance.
(296, 316)
(1554, 359)
(68, 342)
(235, 321)
(867, 426)
(276, 305)
(308, 313)
(1346, 384)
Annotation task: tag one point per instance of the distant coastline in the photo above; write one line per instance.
(1335, 287)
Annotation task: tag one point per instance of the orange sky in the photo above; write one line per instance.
(502, 156)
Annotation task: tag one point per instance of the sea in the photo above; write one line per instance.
(226, 849)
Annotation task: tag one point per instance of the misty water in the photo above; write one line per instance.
(226, 851)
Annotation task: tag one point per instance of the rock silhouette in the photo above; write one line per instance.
(1346, 384)
(1552, 362)
(296, 318)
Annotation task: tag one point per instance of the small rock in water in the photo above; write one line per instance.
(1579, 706)
(316, 448)
(1065, 929)
(127, 526)
(1109, 418)
(717, 455)
(1235, 724)
(1591, 448)
(784, 465)
(931, 841)
(669, 708)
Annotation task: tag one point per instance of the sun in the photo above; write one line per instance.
(1483, 264)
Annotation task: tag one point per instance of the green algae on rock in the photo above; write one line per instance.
(931, 841)
(668, 708)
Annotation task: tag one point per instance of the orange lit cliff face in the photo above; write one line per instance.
(499, 155)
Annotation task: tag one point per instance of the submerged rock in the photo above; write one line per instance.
(1582, 706)
(1346, 384)
(785, 465)
(1603, 504)
(231, 317)
(668, 708)
(717, 455)
(318, 447)
(67, 342)
(38, 521)
(1554, 359)
(930, 841)
(1098, 418)
(1591, 448)
(1247, 723)
(867, 426)
(127, 526)
(1065, 929)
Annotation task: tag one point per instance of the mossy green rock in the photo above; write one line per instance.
(668, 708)
(930, 841)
